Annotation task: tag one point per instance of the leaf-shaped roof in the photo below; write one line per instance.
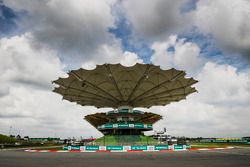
(114, 85)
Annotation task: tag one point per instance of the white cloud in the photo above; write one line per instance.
(228, 21)
(26, 100)
(75, 28)
(112, 54)
(130, 59)
(220, 108)
(42, 113)
(156, 20)
(106, 53)
(224, 85)
(77, 31)
(185, 56)
(21, 63)
(161, 56)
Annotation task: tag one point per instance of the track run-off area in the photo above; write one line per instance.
(212, 157)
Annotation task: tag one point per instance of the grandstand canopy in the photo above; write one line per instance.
(114, 85)
(102, 118)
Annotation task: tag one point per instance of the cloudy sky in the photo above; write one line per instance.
(41, 40)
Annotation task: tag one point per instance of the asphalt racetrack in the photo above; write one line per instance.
(229, 158)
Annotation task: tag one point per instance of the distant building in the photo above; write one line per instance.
(224, 140)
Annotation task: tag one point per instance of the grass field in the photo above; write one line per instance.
(214, 145)
(125, 140)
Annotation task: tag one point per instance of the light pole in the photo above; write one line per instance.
(10, 130)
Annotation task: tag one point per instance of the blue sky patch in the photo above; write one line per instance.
(171, 49)
(188, 6)
(210, 50)
(7, 20)
(123, 31)
(205, 42)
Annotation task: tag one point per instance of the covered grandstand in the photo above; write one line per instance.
(123, 89)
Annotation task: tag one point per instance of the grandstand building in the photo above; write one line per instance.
(123, 121)
(124, 89)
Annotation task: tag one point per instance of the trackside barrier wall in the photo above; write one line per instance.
(125, 148)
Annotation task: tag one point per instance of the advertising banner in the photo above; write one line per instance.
(161, 147)
(75, 147)
(125, 148)
(108, 126)
(91, 148)
(114, 147)
(178, 147)
(139, 125)
(139, 148)
(65, 148)
(123, 125)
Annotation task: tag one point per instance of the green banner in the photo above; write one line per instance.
(161, 147)
(114, 147)
(75, 147)
(139, 148)
(108, 126)
(139, 125)
(178, 147)
(125, 111)
(65, 147)
(89, 148)
(123, 126)
(71, 147)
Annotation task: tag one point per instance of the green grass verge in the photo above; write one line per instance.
(214, 145)
(125, 140)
